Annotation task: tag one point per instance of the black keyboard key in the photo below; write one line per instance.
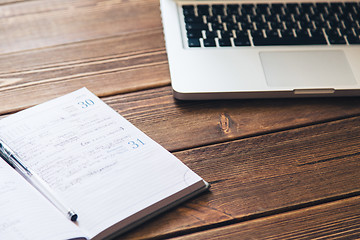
(241, 19)
(203, 10)
(194, 33)
(240, 33)
(277, 25)
(351, 7)
(259, 41)
(272, 34)
(286, 18)
(332, 33)
(194, 42)
(334, 37)
(196, 26)
(316, 18)
(357, 31)
(227, 19)
(257, 33)
(262, 9)
(315, 40)
(322, 8)
(332, 17)
(217, 26)
(271, 18)
(348, 23)
(302, 17)
(306, 8)
(247, 26)
(277, 8)
(321, 24)
(211, 19)
(225, 42)
(241, 41)
(226, 34)
(232, 26)
(211, 34)
(291, 25)
(232, 9)
(256, 18)
(317, 33)
(347, 32)
(218, 10)
(193, 19)
(209, 42)
(291, 8)
(335, 24)
(336, 7)
(247, 9)
(188, 10)
(306, 24)
(262, 25)
(337, 40)
(302, 33)
(259, 37)
(353, 39)
(287, 33)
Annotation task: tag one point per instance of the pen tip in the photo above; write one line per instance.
(73, 216)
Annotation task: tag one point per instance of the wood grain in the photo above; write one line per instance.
(81, 53)
(265, 175)
(38, 24)
(110, 66)
(50, 48)
(3, 2)
(335, 220)
(180, 125)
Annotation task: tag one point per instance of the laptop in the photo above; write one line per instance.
(261, 49)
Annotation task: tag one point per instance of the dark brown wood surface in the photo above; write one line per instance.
(335, 220)
(279, 168)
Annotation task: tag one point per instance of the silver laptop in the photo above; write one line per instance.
(262, 49)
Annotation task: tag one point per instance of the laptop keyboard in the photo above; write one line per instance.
(238, 25)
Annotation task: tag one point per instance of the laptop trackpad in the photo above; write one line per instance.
(304, 69)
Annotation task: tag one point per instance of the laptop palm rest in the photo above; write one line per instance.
(307, 69)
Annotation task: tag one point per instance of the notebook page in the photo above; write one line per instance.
(26, 215)
(102, 166)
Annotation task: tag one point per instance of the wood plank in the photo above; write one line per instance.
(336, 220)
(92, 51)
(3, 2)
(38, 24)
(180, 125)
(115, 50)
(266, 174)
(107, 66)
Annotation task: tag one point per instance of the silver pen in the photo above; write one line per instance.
(13, 160)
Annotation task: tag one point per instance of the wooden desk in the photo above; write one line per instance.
(278, 168)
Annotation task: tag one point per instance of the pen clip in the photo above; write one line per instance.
(4, 154)
(12, 159)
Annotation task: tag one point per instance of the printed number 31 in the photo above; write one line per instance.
(136, 144)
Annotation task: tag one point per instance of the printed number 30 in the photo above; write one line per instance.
(86, 103)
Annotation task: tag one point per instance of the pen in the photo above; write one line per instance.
(13, 160)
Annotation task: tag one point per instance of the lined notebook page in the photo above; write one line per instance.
(102, 166)
(25, 214)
